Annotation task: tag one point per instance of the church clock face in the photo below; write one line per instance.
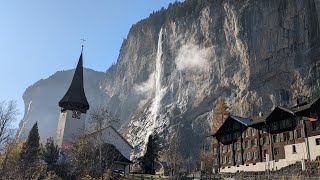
(76, 114)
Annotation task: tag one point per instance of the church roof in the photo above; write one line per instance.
(75, 98)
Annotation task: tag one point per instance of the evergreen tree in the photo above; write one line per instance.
(29, 156)
(149, 161)
(50, 153)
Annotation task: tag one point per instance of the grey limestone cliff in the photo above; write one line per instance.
(174, 64)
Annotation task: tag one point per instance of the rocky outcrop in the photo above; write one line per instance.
(174, 64)
(258, 54)
(41, 100)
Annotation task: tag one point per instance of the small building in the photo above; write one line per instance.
(117, 146)
(282, 137)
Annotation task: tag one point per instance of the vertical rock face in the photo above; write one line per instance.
(41, 100)
(256, 53)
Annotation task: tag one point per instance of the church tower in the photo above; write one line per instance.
(74, 106)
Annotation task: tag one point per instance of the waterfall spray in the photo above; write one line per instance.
(157, 80)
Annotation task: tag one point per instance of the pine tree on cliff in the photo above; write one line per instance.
(149, 161)
(29, 156)
(50, 153)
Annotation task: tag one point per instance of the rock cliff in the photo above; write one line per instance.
(173, 65)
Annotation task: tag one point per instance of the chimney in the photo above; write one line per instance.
(260, 114)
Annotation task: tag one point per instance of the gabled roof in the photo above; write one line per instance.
(242, 120)
(114, 129)
(114, 155)
(75, 98)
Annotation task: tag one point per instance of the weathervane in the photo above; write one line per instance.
(83, 40)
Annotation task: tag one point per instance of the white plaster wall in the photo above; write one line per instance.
(260, 166)
(301, 153)
(112, 137)
(314, 149)
(69, 127)
(290, 157)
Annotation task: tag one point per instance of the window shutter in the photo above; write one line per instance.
(295, 134)
(290, 135)
(302, 133)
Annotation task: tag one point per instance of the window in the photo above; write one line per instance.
(215, 150)
(246, 144)
(264, 153)
(289, 123)
(298, 133)
(282, 124)
(253, 132)
(236, 126)
(216, 161)
(255, 155)
(238, 145)
(236, 135)
(274, 126)
(247, 133)
(253, 142)
(229, 137)
(291, 135)
(224, 149)
(227, 159)
(274, 138)
(316, 125)
(239, 157)
(264, 129)
(318, 141)
(230, 158)
(248, 155)
(276, 151)
(294, 150)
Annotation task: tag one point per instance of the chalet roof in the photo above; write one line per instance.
(299, 110)
(75, 98)
(242, 120)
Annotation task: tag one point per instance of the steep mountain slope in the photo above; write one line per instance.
(174, 64)
(41, 100)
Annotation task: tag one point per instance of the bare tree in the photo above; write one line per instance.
(173, 155)
(8, 113)
(99, 119)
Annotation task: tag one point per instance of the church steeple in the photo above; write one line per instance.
(75, 98)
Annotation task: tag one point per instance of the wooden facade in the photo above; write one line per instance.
(244, 141)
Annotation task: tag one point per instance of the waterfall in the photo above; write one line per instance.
(157, 80)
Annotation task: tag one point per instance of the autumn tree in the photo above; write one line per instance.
(173, 155)
(9, 158)
(219, 113)
(29, 156)
(99, 119)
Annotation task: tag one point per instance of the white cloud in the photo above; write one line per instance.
(192, 57)
(145, 87)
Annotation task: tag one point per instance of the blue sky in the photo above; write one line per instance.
(40, 37)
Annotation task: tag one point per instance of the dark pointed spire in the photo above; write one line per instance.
(75, 98)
